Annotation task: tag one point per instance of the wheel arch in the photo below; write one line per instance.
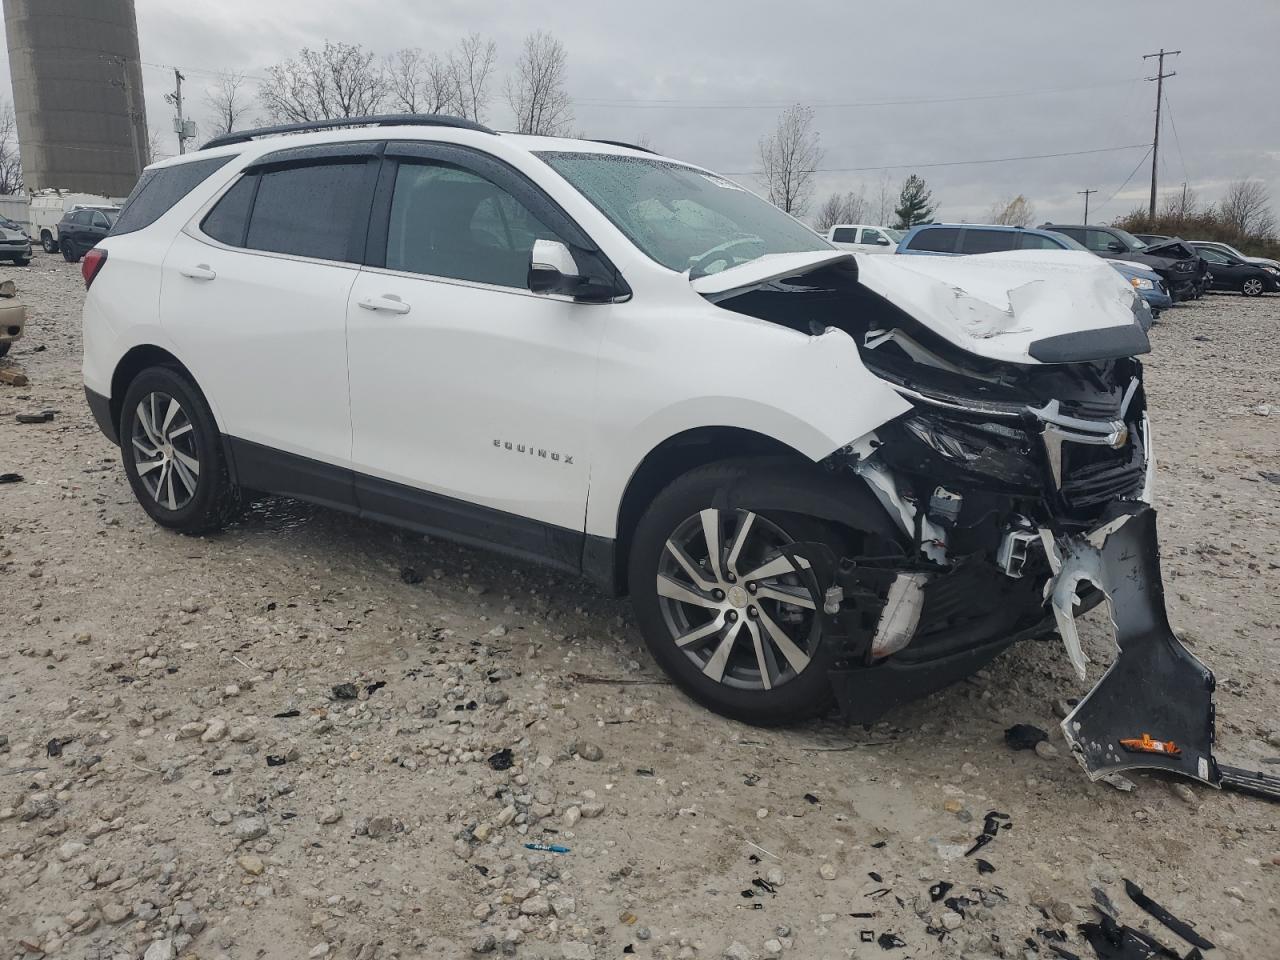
(846, 503)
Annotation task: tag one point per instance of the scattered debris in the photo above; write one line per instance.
(1181, 928)
(10, 478)
(345, 691)
(501, 760)
(890, 941)
(43, 417)
(1024, 736)
(547, 847)
(13, 376)
(984, 866)
(287, 714)
(940, 889)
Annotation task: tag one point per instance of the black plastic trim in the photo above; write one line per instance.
(1108, 343)
(100, 407)
(265, 469)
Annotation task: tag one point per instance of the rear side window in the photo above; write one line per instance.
(845, 235)
(309, 211)
(987, 241)
(158, 190)
(935, 240)
(228, 221)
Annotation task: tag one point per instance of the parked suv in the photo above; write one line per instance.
(80, 230)
(1183, 270)
(955, 239)
(820, 477)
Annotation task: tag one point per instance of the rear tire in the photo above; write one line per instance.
(720, 647)
(173, 454)
(46, 240)
(4, 347)
(69, 252)
(21, 261)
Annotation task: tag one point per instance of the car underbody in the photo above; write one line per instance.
(1016, 495)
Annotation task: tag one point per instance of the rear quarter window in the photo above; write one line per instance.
(158, 190)
(987, 241)
(935, 240)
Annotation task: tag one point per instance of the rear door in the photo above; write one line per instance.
(979, 240)
(472, 398)
(254, 295)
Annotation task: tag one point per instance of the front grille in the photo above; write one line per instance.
(1093, 474)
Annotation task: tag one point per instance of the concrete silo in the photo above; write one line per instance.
(77, 93)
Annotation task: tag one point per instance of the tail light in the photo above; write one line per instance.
(91, 265)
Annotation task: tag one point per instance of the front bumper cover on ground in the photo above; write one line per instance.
(1152, 709)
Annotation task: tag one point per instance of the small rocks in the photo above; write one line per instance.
(484, 943)
(250, 828)
(328, 814)
(827, 871)
(570, 817)
(251, 864)
(191, 731)
(159, 950)
(535, 906)
(952, 920)
(116, 912)
(1046, 750)
(1235, 893)
(775, 877)
(738, 951)
(1184, 793)
(969, 770)
(216, 730)
(589, 751)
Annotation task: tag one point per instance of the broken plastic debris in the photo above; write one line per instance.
(1180, 927)
(501, 760)
(939, 890)
(10, 478)
(345, 691)
(547, 847)
(42, 417)
(1024, 736)
(984, 866)
(888, 941)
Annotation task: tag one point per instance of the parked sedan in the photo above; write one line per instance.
(80, 230)
(1232, 273)
(15, 245)
(1228, 249)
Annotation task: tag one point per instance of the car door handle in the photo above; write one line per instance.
(200, 271)
(387, 304)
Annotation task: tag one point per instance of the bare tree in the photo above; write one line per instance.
(471, 68)
(1017, 212)
(840, 208)
(1247, 208)
(406, 72)
(440, 92)
(10, 159)
(1181, 204)
(338, 80)
(885, 197)
(155, 149)
(535, 92)
(789, 158)
(229, 102)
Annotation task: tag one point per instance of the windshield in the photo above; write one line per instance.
(681, 217)
(1128, 239)
(1071, 243)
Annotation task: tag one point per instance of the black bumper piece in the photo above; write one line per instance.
(100, 406)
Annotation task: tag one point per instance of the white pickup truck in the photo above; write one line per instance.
(862, 238)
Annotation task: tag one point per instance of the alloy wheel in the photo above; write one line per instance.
(733, 602)
(1252, 287)
(164, 450)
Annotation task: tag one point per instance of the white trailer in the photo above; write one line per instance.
(49, 206)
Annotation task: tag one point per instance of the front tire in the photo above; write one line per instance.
(720, 606)
(1251, 287)
(173, 453)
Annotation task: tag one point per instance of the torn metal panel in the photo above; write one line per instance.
(1155, 686)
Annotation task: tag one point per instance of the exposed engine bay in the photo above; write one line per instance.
(1021, 496)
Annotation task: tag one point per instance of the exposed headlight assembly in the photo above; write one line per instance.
(1141, 283)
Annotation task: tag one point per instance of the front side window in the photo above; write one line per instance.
(1099, 241)
(100, 220)
(1213, 256)
(871, 236)
(309, 211)
(681, 217)
(450, 222)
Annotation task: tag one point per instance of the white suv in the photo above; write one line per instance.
(817, 475)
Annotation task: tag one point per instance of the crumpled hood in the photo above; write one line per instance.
(998, 305)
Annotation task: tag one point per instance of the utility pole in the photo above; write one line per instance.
(175, 98)
(1086, 203)
(1159, 78)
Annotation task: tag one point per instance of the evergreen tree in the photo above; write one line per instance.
(915, 203)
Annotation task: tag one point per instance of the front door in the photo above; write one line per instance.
(471, 397)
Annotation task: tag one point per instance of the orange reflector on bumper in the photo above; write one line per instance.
(1146, 744)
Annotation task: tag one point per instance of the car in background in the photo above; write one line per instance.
(1184, 272)
(863, 238)
(15, 245)
(957, 239)
(1232, 273)
(13, 316)
(1202, 245)
(49, 206)
(80, 231)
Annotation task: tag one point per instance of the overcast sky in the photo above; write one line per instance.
(703, 80)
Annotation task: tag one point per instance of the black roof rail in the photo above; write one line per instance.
(378, 120)
(623, 143)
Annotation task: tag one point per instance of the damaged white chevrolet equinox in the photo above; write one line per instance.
(822, 478)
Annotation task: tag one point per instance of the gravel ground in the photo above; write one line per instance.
(216, 796)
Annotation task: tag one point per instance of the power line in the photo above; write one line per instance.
(1129, 177)
(644, 103)
(959, 163)
(1176, 139)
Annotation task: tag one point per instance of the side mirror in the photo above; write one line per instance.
(883, 242)
(552, 268)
